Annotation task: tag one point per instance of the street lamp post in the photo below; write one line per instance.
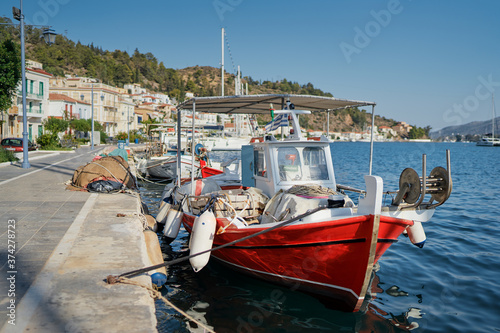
(103, 113)
(26, 163)
(49, 37)
(92, 133)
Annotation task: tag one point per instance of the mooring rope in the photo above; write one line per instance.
(162, 182)
(155, 294)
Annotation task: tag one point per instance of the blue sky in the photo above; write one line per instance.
(425, 62)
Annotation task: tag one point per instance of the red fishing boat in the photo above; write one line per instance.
(289, 222)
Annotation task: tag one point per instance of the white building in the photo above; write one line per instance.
(126, 110)
(65, 107)
(162, 98)
(134, 88)
(37, 104)
(387, 131)
(105, 99)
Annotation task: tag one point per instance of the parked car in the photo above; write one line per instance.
(16, 144)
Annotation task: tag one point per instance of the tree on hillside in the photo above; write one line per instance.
(416, 133)
(10, 72)
(427, 130)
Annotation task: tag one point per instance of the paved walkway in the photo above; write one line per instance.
(66, 243)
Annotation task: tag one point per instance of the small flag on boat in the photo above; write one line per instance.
(279, 120)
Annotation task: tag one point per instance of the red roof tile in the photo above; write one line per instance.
(37, 70)
(61, 97)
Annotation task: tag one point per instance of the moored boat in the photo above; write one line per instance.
(492, 141)
(486, 141)
(289, 222)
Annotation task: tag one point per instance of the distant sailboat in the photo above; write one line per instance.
(487, 141)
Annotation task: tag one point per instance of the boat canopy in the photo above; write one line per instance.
(260, 104)
(254, 104)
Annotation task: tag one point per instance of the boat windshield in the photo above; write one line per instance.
(302, 163)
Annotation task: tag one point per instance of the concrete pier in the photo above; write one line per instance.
(66, 243)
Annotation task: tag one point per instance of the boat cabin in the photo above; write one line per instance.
(272, 165)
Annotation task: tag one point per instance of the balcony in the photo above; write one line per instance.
(34, 96)
(35, 112)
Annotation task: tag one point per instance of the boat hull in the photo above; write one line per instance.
(331, 259)
(166, 168)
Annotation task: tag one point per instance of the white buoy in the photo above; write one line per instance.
(202, 238)
(172, 223)
(159, 275)
(162, 214)
(417, 234)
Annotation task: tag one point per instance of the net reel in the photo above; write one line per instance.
(412, 188)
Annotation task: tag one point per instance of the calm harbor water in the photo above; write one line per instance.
(451, 285)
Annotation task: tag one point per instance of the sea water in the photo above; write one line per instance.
(450, 285)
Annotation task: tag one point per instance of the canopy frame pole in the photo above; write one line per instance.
(192, 149)
(328, 124)
(282, 108)
(179, 134)
(371, 139)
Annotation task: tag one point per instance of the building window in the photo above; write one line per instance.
(139, 119)
(31, 86)
(40, 89)
(41, 108)
(31, 107)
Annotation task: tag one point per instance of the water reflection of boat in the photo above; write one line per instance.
(289, 223)
(230, 302)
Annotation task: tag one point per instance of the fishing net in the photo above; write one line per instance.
(110, 168)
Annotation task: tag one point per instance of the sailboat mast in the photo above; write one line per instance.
(493, 117)
(222, 62)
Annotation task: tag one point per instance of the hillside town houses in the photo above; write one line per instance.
(117, 109)
(125, 109)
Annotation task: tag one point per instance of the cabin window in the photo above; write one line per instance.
(315, 167)
(289, 163)
(259, 163)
